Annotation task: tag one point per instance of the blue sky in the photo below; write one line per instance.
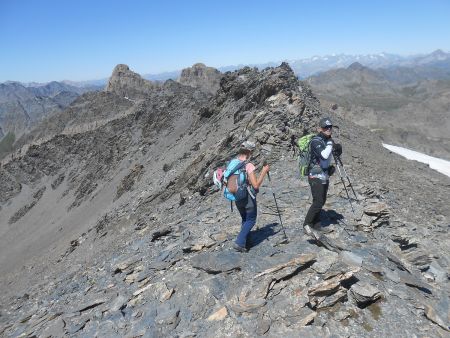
(46, 40)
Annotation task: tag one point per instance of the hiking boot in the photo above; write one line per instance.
(239, 248)
(308, 230)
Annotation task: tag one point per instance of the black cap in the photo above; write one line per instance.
(325, 122)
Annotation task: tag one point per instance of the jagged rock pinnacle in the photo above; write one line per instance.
(127, 83)
(200, 76)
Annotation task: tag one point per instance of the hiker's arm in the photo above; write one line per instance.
(256, 182)
(319, 149)
(327, 151)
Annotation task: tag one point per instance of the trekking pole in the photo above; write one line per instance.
(344, 227)
(348, 178)
(343, 183)
(342, 164)
(278, 210)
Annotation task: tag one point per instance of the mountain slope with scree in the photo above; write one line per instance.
(404, 106)
(118, 230)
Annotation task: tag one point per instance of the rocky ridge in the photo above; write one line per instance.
(155, 260)
(126, 83)
(200, 76)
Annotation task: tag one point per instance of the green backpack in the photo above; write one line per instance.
(304, 157)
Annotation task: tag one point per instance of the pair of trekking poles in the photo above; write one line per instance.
(342, 173)
(339, 166)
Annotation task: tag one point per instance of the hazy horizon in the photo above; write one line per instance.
(52, 40)
(106, 76)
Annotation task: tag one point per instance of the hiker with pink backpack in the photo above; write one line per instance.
(241, 185)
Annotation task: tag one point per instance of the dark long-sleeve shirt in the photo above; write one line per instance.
(321, 153)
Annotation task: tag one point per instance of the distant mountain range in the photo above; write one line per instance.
(406, 106)
(303, 68)
(373, 81)
(317, 64)
(21, 106)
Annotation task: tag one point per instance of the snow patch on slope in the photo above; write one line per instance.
(435, 163)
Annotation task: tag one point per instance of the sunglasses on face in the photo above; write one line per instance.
(328, 127)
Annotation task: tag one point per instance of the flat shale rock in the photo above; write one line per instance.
(351, 258)
(127, 264)
(262, 326)
(376, 209)
(439, 312)
(90, 304)
(364, 293)
(414, 281)
(328, 301)
(219, 314)
(224, 261)
(419, 258)
(290, 309)
(293, 263)
(164, 231)
(55, 328)
(308, 319)
(325, 262)
(440, 275)
(118, 303)
(199, 246)
(249, 306)
(169, 318)
(329, 286)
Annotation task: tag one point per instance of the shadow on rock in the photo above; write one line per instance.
(330, 217)
(261, 234)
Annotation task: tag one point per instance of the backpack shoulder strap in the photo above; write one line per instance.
(316, 138)
(237, 167)
(311, 151)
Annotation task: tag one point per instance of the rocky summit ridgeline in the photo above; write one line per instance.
(200, 76)
(113, 227)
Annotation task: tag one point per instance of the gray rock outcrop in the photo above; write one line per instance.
(202, 77)
(126, 83)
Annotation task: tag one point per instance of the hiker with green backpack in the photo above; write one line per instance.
(315, 162)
